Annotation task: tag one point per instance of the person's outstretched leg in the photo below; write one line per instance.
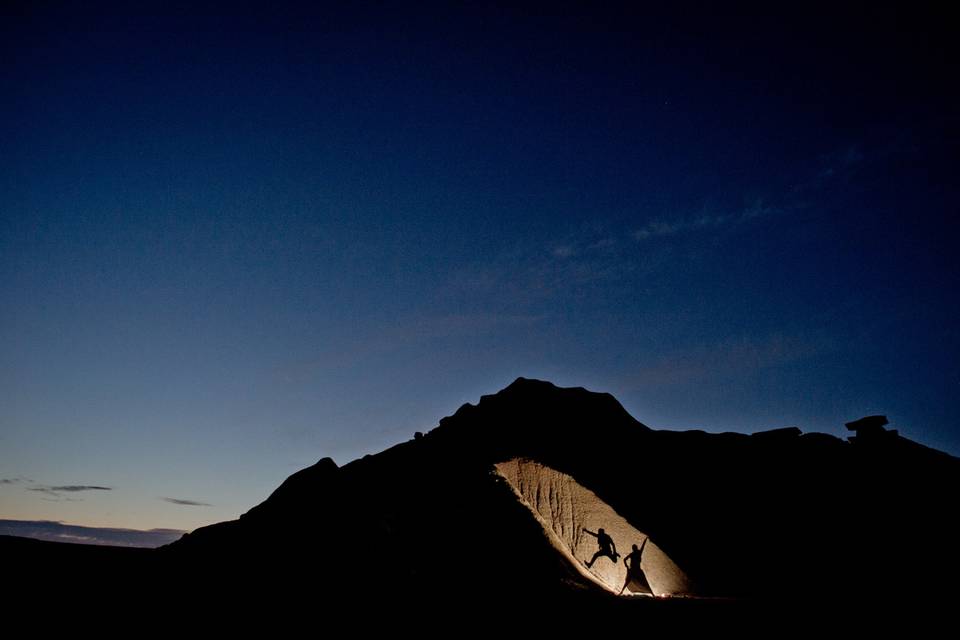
(594, 558)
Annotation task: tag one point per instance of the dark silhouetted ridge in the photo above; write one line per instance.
(741, 514)
(777, 516)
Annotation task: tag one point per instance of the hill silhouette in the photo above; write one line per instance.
(486, 508)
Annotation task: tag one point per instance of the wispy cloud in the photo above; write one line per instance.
(597, 252)
(58, 490)
(521, 277)
(832, 165)
(72, 488)
(705, 221)
(580, 262)
(17, 480)
(186, 503)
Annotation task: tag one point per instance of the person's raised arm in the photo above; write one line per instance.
(591, 532)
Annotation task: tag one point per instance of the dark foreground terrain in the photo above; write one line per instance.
(777, 526)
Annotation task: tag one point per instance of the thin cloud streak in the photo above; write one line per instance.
(57, 492)
(704, 222)
(599, 253)
(17, 480)
(186, 503)
(70, 488)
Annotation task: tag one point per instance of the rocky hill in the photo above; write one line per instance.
(493, 502)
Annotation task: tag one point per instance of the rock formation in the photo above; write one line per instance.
(728, 515)
(487, 511)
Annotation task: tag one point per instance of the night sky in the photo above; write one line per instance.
(235, 241)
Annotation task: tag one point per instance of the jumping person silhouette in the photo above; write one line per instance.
(606, 544)
(634, 572)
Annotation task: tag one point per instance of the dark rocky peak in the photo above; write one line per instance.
(290, 495)
(530, 415)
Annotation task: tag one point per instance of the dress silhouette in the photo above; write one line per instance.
(606, 544)
(634, 573)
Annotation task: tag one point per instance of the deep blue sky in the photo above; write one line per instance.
(233, 243)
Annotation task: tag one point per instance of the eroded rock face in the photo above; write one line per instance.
(568, 510)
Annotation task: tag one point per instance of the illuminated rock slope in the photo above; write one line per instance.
(568, 510)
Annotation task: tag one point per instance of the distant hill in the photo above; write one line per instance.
(108, 536)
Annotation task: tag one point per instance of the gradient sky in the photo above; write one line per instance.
(234, 243)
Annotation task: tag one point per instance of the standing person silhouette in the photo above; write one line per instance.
(634, 572)
(606, 544)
